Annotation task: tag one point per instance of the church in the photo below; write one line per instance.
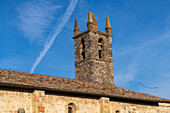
(92, 90)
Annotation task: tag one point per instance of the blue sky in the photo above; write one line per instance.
(36, 36)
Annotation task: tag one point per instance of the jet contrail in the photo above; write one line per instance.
(54, 34)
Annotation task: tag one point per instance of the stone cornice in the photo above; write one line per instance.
(94, 31)
(93, 59)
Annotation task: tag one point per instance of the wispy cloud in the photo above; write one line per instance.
(127, 75)
(157, 46)
(15, 62)
(54, 33)
(167, 35)
(35, 18)
(163, 36)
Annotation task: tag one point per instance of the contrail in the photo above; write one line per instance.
(54, 34)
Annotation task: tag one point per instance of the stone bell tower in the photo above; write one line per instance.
(93, 52)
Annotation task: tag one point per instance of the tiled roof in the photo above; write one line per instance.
(71, 85)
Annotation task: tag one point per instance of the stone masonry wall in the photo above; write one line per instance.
(96, 71)
(93, 68)
(59, 104)
(39, 102)
(11, 101)
(124, 107)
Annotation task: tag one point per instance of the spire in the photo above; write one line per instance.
(93, 16)
(91, 23)
(90, 19)
(95, 22)
(76, 28)
(108, 27)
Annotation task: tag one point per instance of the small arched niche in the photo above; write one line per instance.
(21, 110)
(117, 111)
(100, 47)
(71, 108)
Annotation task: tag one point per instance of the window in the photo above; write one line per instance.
(100, 47)
(71, 108)
(117, 111)
(83, 48)
(21, 110)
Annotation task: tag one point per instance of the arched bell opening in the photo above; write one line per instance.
(83, 48)
(100, 47)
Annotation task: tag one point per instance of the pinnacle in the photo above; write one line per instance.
(93, 17)
(76, 27)
(108, 23)
(90, 19)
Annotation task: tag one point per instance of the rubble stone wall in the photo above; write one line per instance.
(93, 68)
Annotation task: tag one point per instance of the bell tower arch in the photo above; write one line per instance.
(93, 52)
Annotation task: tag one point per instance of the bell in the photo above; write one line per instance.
(100, 44)
(83, 51)
(100, 48)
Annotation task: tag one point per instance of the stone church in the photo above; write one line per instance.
(92, 90)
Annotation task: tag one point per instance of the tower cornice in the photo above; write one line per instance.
(93, 59)
(93, 31)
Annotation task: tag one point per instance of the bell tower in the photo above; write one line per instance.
(93, 52)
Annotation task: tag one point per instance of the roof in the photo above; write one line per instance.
(71, 85)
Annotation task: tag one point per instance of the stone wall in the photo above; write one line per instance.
(93, 68)
(95, 71)
(12, 100)
(124, 107)
(38, 101)
(59, 104)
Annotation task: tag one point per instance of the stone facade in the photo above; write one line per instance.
(134, 107)
(39, 101)
(59, 104)
(11, 100)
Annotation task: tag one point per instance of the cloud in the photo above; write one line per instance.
(151, 60)
(167, 35)
(52, 36)
(15, 62)
(163, 36)
(125, 76)
(163, 85)
(35, 18)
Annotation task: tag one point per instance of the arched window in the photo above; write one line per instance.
(21, 110)
(83, 48)
(117, 111)
(71, 108)
(100, 47)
